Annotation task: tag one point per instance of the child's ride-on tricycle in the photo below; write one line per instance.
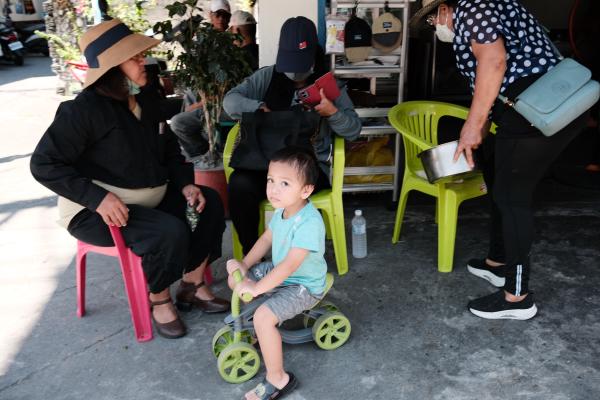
(238, 360)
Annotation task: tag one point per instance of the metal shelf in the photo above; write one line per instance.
(383, 170)
(379, 130)
(370, 70)
(374, 72)
(367, 187)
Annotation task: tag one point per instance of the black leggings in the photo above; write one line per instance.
(515, 160)
(246, 190)
(161, 236)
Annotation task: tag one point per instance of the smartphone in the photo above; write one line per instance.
(311, 95)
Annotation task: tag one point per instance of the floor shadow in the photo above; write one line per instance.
(408, 322)
(15, 157)
(34, 67)
(10, 209)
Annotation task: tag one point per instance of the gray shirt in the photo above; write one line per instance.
(248, 96)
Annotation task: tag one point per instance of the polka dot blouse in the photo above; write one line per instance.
(528, 49)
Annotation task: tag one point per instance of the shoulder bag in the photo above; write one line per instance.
(557, 97)
(262, 134)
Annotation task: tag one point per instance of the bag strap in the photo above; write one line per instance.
(510, 102)
(506, 100)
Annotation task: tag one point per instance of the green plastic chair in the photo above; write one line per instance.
(329, 201)
(417, 121)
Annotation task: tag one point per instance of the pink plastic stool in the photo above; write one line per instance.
(133, 277)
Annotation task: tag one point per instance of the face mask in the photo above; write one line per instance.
(133, 87)
(443, 33)
(298, 76)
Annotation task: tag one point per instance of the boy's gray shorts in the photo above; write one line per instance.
(284, 301)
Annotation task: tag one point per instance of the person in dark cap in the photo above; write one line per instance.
(300, 61)
(112, 160)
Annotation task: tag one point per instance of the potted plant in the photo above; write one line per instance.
(206, 61)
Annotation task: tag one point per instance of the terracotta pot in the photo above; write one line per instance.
(214, 179)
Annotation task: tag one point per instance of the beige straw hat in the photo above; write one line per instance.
(427, 6)
(109, 44)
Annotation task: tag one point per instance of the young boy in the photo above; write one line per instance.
(295, 279)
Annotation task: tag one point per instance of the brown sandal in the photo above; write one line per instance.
(187, 300)
(172, 329)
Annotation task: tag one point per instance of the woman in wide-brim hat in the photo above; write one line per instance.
(501, 49)
(112, 160)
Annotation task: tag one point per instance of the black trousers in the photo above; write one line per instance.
(514, 161)
(161, 235)
(246, 190)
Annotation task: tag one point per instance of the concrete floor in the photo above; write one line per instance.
(412, 336)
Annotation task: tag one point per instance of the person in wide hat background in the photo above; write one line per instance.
(112, 160)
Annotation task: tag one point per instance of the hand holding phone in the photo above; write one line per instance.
(325, 108)
(311, 95)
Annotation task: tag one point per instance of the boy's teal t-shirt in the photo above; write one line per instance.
(305, 230)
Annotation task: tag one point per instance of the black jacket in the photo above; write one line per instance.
(96, 137)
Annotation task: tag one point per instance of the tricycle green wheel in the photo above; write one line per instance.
(331, 330)
(238, 362)
(224, 337)
(326, 305)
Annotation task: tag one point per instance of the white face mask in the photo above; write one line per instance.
(443, 33)
(298, 76)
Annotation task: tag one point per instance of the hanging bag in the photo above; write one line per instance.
(557, 97)
(262, 134)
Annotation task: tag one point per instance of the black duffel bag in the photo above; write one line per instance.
(262, 134)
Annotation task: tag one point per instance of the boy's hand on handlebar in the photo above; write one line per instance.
(247, 286)
(233, 265)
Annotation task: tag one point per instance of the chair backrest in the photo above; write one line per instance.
(339, 158)
(228, 150)
(417, 121)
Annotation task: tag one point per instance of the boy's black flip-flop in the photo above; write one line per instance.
(266, 391)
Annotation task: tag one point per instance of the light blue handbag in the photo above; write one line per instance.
(557, 97)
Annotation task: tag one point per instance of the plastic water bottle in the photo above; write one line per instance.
(359, 235)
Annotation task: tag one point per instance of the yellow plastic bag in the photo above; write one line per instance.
(372, 153)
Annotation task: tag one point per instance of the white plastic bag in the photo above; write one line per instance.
(335, 34)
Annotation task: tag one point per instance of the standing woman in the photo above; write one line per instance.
(502, 49)
(113, 162)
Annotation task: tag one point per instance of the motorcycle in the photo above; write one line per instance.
(32, 41)
(11, 48)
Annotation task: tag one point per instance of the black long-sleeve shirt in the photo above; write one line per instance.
(96, 137)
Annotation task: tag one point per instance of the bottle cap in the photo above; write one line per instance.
(358, 212)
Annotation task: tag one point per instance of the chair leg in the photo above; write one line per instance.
(328, 225)
(137, 294)
(448, 214)
(261, 221)
(336, 220)
(208, 277)
(80, 281)
(238, 252)
(400, 213)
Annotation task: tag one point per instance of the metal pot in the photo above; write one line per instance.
(438, 162)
